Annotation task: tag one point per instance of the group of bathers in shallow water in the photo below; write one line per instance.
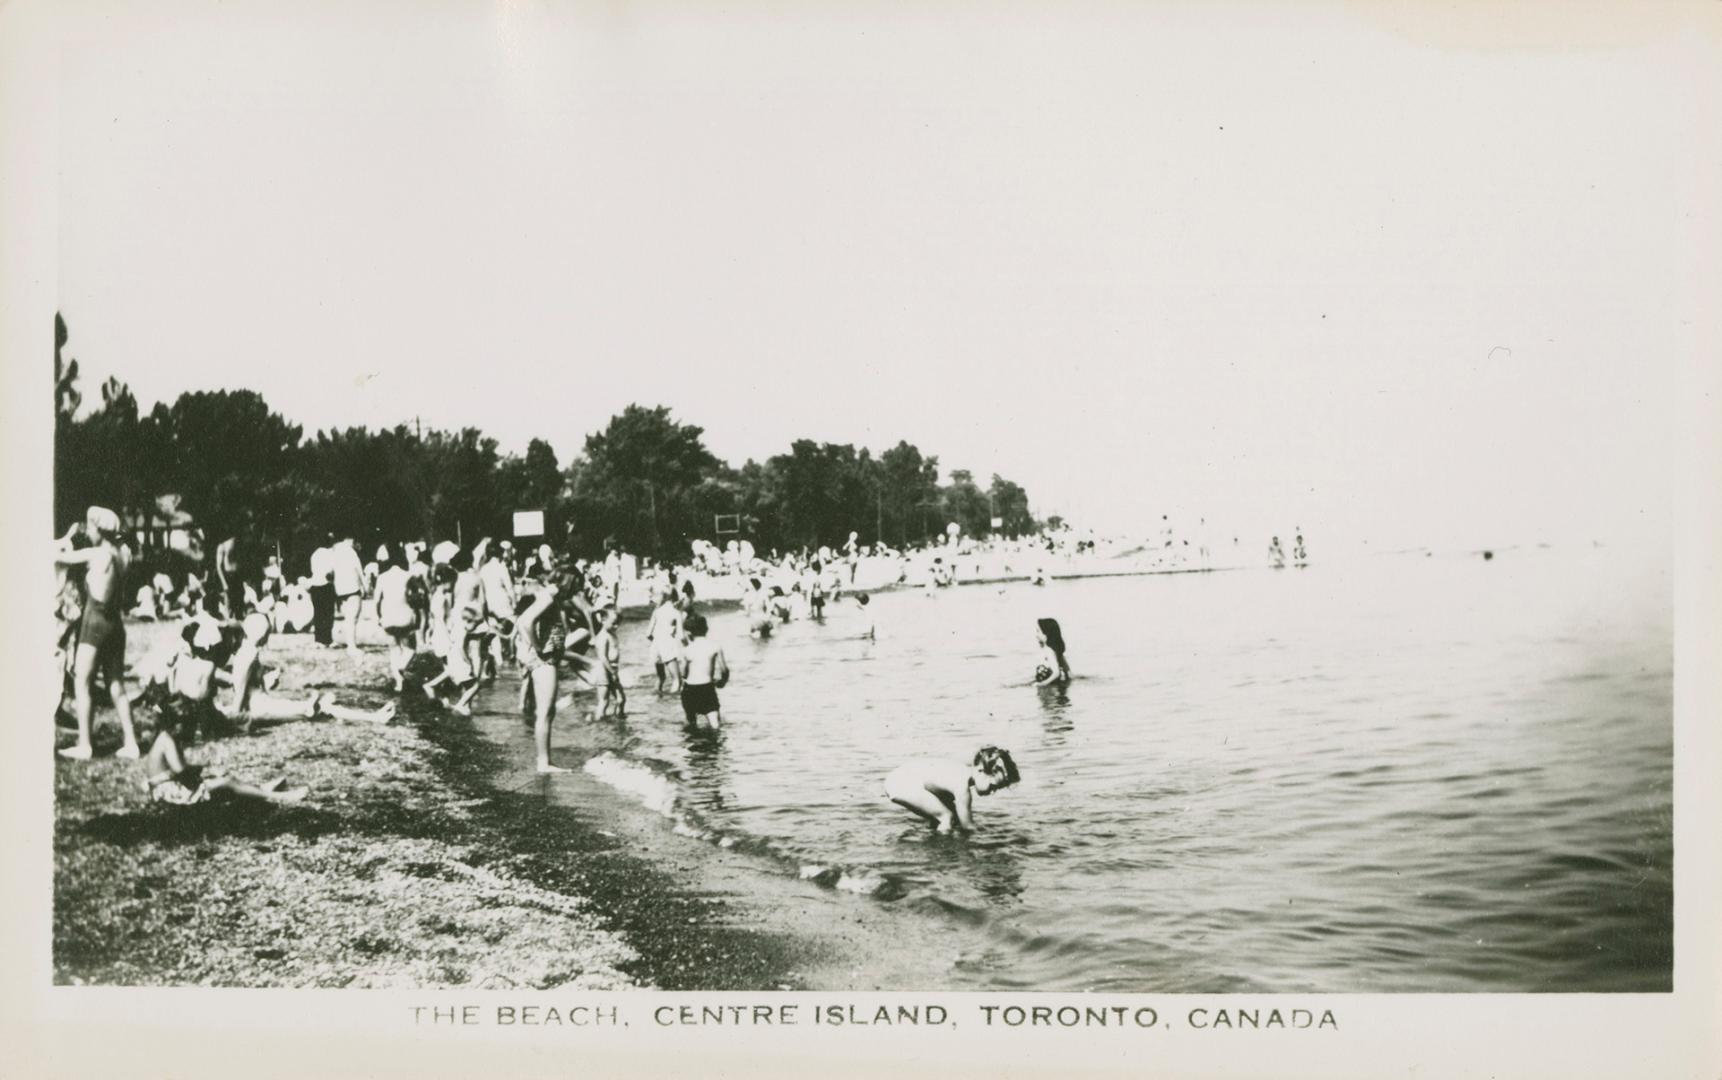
(939, 791)
(942, 791)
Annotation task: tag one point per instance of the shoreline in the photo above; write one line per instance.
(641, 610)
(419, 860)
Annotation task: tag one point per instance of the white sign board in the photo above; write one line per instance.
(528, 523)
(998, 523)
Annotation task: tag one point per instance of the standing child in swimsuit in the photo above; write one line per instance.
(704, 672)
(609, 652)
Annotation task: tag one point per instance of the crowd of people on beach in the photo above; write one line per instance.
(457, 618)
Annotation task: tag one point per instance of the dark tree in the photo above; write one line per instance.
(637, 477)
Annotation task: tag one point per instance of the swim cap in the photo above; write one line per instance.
(103, 520)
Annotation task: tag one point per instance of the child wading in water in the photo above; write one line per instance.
(943, 792)
(610, 659)
(704, 672)
(171, 780)
(1051, 667)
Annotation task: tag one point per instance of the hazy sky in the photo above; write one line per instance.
(1401, 284)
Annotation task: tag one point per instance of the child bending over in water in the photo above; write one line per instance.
(943, 792)
(1052, 666)
(171, 780)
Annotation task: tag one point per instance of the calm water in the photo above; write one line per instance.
(1396, 774)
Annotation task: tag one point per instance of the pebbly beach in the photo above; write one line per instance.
(405, 867)
(419, 860)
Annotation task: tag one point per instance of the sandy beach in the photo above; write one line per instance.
(422, 858)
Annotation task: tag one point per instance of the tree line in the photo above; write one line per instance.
(646, 482)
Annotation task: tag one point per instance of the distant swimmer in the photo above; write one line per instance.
(872, 631)
(1052, 666)
(1299, 556)
(704, 673)
(943, 792)
(816, 592)
(1277, 555)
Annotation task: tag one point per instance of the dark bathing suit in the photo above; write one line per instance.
(100, 629)
(699, 699)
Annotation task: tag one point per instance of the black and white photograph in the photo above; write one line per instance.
(1056, 517)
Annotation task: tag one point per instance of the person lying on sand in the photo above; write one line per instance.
(943, 792)
(170, 779)
(251, 701)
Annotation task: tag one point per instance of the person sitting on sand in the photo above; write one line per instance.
(943, 791)
(146, 609)
(1052, 666)
(170, 779)
(704, 672)
(101, 645)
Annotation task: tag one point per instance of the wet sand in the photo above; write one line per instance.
(430, 855)
(772, 930)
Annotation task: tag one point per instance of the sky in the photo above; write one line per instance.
(1274, 266)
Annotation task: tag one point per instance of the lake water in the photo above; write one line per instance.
(1395, 774)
